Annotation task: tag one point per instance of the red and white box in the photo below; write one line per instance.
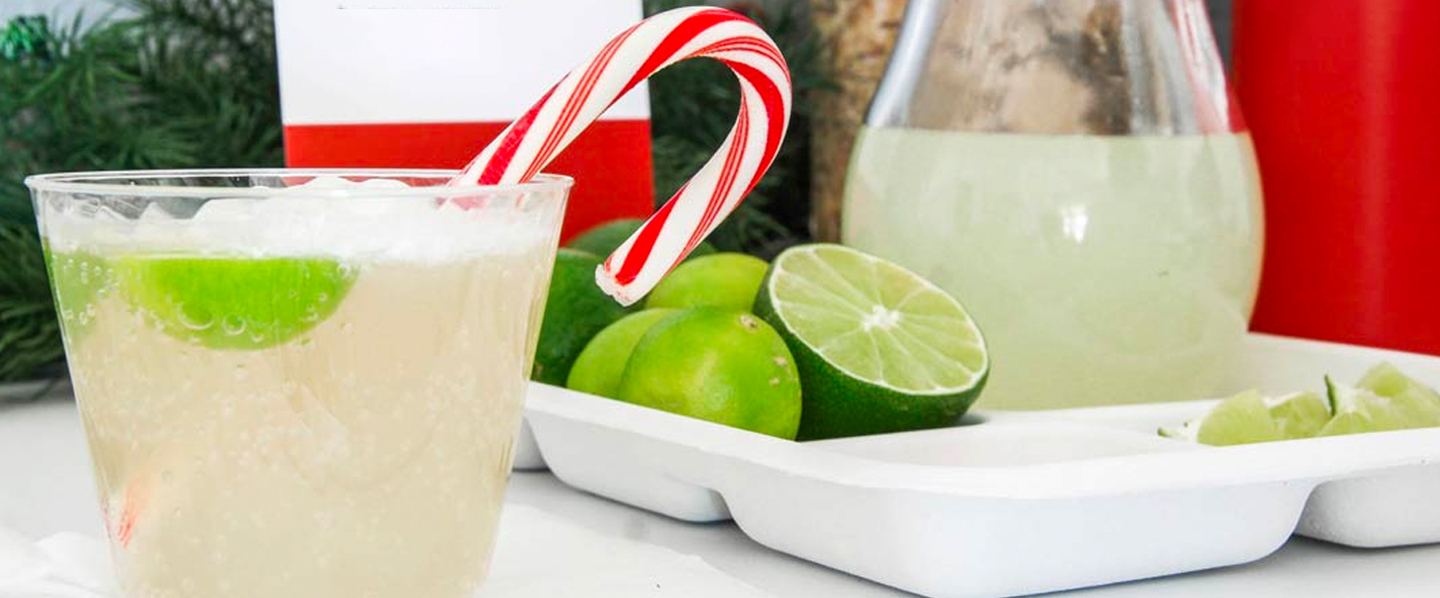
(428, 83)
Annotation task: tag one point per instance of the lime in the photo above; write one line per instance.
(1387, 381)
(1359, 410)
(575, 311)
(719, 365)
(78, 280)
(223, 302)
(1384, 399)
(728, 280)
(1298, 415)
(1248, 418)
(601, 240)
(598, 368)
(879, 348)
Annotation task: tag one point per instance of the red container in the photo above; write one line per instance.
(1343, 100)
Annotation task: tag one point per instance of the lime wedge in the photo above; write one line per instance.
(1298, 415)
(1384, 399)
(233, 302)
(1359, 410)
(879, 348)
(1420, 403)
(1249, 417)
(1241, 419)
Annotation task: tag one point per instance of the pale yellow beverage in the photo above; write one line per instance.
(1102, 269)
(268, 417)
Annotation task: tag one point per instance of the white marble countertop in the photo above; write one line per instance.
(45, 488)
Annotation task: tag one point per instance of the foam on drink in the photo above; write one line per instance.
(302, 221)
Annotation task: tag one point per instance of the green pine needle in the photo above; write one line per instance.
(29, 333)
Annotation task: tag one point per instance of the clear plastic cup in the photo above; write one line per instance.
(298, 382)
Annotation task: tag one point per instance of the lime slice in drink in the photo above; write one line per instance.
(223, 302)
(879, 348)
(1359, 410)
(1241, 419)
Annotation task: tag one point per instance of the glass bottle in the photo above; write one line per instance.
(1076, 172)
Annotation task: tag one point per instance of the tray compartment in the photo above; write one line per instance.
(1146, 419)
(1396, 508)
(638, 470)
(954, 546)
(1001, 445)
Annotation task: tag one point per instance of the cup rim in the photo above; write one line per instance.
(122, 182)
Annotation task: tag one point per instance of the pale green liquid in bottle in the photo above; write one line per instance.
(1102, 270)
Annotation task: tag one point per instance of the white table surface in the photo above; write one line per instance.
(45, 488)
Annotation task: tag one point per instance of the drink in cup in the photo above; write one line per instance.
(295, 384)
(308, 383)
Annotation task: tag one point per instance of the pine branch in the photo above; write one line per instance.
(29, 332)
(181, 84)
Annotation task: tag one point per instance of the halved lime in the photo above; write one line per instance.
(225, 302)
(879, 348)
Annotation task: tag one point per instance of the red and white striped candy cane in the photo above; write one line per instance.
(533, 140)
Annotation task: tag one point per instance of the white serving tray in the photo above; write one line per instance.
(1017, 502)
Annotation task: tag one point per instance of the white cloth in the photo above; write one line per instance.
(65, 565)
(537, 555)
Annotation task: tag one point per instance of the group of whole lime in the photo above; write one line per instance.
(823, 342)
(827, 341)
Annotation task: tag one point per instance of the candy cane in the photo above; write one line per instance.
(533, 140)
